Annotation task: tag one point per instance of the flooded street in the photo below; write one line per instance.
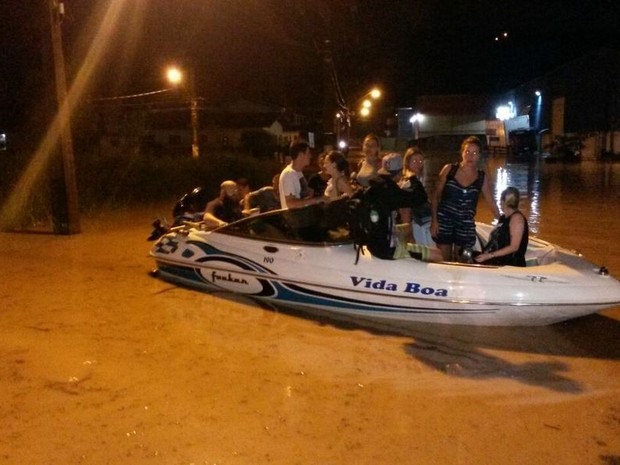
(102, 364)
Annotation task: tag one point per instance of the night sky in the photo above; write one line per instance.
(272, 50)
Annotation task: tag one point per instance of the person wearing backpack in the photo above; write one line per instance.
(387, 210)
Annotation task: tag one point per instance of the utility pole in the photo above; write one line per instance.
(175, 77)
(330, 93)
(65, 209)
(195, 127)
(194, 112)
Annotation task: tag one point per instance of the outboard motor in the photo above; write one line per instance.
(159, 230)
(191, 206)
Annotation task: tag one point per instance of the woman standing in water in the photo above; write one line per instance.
(455, 201)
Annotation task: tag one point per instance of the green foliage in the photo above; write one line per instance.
(258, 143)
(106, 182)
(121, 181)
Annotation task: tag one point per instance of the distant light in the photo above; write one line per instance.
(505, 34)
(418, 117)
(375, 93)
(537, 93)
(366, 103)
(174, 75)
(504, 112)
(365, 111)
(342, 144)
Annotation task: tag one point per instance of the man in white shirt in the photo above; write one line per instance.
(294, 191)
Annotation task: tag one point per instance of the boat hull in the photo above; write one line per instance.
(331, 278)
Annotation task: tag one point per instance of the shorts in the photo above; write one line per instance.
(459, 229)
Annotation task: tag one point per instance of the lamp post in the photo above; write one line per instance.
(537, 122)
(176, 78)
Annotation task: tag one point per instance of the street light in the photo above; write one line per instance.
(366, 100)
(175, 77)
(344, 115)
(415, 120)
(375, 93)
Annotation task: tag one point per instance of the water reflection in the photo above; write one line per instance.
(585, 193)
(526, 178)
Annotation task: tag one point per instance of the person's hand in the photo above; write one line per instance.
(251, 211)
(483, 257)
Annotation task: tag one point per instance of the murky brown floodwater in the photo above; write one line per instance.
(102, 364)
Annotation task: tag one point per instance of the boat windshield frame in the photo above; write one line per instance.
(320, 224)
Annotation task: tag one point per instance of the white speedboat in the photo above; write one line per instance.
(305, 259)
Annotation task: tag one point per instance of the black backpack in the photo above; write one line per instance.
(365, 212)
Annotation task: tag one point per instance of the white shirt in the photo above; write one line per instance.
(289, 184)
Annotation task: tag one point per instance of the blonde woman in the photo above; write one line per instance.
(455, 201)
(508, 241)
(413, 164)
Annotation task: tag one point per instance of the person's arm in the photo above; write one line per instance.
(344, 187)
(488, 195)
(248, 209)
(294, 202)
(290, 188)
(405, 224)
(247, 204)
(209, 218)
(517, 229)
(436, 197)
(418, 193)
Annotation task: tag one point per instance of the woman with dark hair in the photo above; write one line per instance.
(318, 181)
(508, 241)
(370, 164)
(337, 166)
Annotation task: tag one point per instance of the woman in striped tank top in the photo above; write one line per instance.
(455, 201)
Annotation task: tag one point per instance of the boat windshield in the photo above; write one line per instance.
(318, 224)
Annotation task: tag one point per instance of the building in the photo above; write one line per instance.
(443, 120)
(573, 107)
(167, 127)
